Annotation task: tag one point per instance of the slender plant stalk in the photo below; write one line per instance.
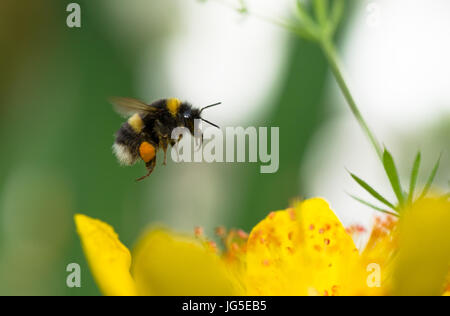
(333, 59)
(319, 33)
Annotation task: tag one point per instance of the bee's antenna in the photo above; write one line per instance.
(210, 106)
(210, 123)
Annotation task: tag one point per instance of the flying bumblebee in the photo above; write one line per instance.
(149, 127)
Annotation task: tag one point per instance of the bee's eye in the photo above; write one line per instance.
(187, 115)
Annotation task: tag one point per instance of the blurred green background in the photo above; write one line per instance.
(57, 128)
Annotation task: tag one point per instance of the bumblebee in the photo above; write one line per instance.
(149, 127)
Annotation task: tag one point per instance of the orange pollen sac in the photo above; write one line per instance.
(147, 152)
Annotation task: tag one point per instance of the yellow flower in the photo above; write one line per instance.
(108, 258)
(163, 263)
(423, 259)
(303, 250)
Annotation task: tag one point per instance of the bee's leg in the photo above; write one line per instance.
(165, 156)
(147, 152)
(164, 145)
(150, 166)
(174, 144)
(198, 142)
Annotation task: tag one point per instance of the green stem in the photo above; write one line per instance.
(332, 57)
(324, 38)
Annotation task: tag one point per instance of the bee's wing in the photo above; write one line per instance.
(130, 106)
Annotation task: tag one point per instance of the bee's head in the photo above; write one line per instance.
(190, 115)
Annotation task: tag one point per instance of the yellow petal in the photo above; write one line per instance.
(302, 251)
(108, 258)
(424, 256)
(381, 249)
(168, 264)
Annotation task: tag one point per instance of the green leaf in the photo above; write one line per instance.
(372, 192)
(379, 209)
(414, 175)
(337, 11)
(391, 171)
(302, 12)
(303, 33)
(306, 20)
(242, 7)
(431, 178)
(321, 10)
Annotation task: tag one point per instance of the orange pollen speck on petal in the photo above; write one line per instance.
(235, 246)
(321, 231)
(311, 227)
(291, 213)
(266, 262)
(271, 215)
(334, 290)
(327, 242)
(290, 235)
(317, 248)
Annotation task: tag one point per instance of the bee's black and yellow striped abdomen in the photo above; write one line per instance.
(126, 145)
